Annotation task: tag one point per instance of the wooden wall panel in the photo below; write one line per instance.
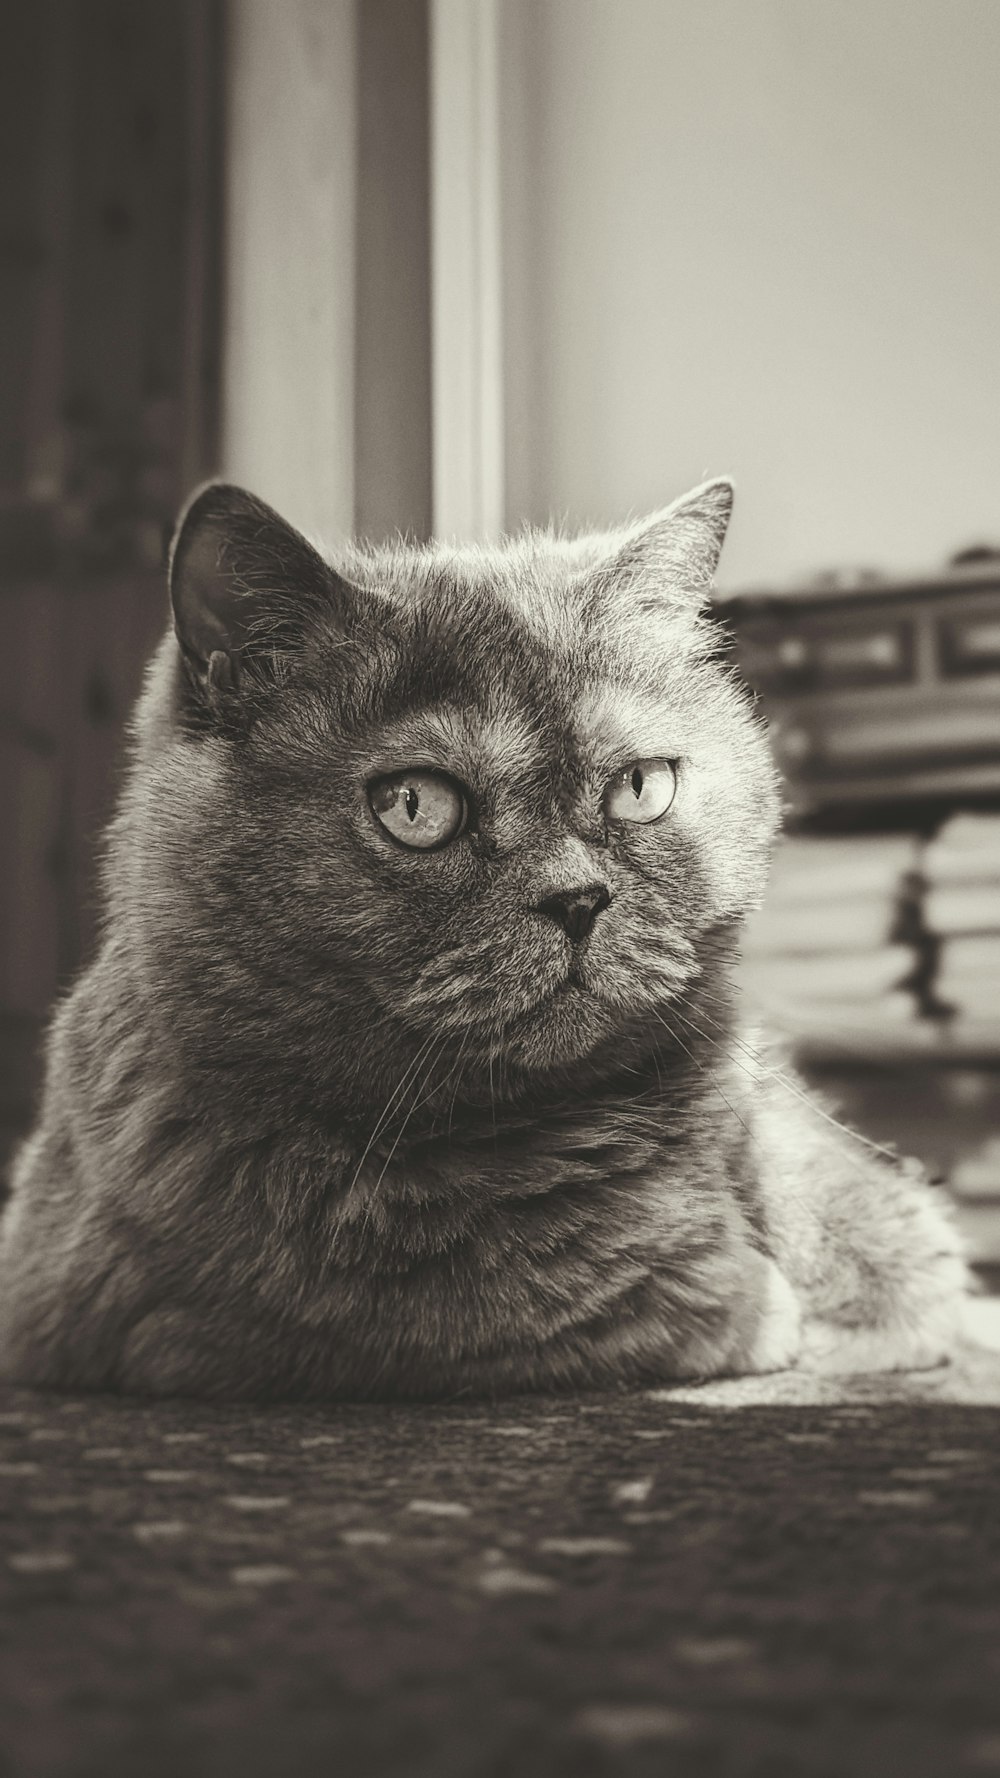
(110, 133)
(110, 633)
(30, 797)
(22, 64)
(72, 666)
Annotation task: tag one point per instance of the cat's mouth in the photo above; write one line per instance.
(574, 981)
(555, 995)
(572, 991)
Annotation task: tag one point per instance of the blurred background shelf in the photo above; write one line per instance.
(877, 952)
(860, 1048)
(980, 1228)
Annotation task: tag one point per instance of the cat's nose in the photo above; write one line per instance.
(575, 910)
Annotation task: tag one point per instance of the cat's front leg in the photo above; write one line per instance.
(922, 1331)
(888, 1287)
(869, 1245)
(838, 1351)
(768, 1332)
(749, 1321)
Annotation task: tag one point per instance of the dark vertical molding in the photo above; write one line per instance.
(393, 337)
(109, 265)
(204, 259)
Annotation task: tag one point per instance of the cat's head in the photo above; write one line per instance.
(501, 800)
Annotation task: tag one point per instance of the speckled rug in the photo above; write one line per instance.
(691, 1582)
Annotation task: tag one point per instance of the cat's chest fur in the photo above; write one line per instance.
(526, 1256)
(304, 1260)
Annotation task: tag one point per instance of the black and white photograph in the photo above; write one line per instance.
(499, 888)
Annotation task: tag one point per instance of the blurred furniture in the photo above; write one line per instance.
(140, 146)
(883, 701)
(880, 693)
(109, 218)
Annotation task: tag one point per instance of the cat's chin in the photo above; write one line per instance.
(564, 1025)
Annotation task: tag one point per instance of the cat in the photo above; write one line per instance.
(410, 1062)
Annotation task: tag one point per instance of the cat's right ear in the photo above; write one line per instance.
(670, 559)
(245, 587)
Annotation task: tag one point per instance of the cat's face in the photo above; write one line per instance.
(499, 799)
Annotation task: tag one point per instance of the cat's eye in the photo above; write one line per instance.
(643, 792)
(420, 809)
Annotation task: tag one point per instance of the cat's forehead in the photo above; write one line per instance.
(504, 655)
(471, 624)
(596, 727)
(554, 598)
(503, 742)
(535, 580)
(505, 670)
(476, 669)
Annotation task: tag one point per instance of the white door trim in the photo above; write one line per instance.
(466, 312)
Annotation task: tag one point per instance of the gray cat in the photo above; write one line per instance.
(410, 1060)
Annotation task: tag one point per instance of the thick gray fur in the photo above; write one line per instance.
(326, 1116)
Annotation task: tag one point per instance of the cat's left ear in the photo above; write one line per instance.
(246, 589)
(671, 558)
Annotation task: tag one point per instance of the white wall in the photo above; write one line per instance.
(758, 236)
(288, 378)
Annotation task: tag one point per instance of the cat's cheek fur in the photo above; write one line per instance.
(730, 811)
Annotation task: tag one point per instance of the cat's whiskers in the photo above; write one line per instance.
(460, 1068)
(435, 1055)
(781, 1079)
(655, 1058)
(752, 1134)
(702, 1069)
(455, 1073)
(386, 1112)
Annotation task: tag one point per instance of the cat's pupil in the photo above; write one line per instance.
(637, 782)
(411, 802)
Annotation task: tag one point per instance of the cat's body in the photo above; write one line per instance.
(410, 1061)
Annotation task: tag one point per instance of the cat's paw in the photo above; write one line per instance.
(851, 1351)
(776, 1339)
(163, 1354)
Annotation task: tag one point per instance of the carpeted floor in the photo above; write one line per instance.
(748, 1579)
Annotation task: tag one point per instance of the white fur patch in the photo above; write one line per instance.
(620, 724)
(846, 1351)
(776, 1341)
